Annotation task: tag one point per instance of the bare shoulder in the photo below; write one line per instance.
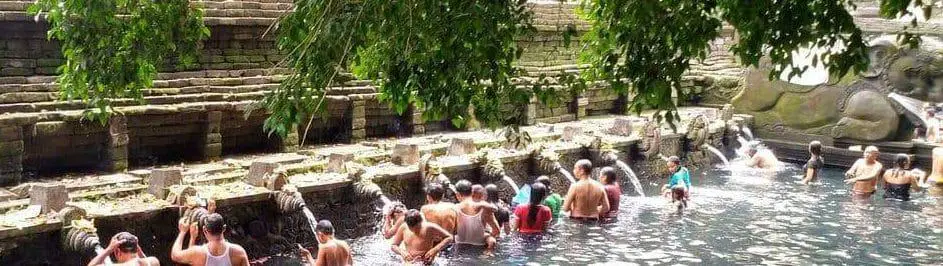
(237, 250)
(150, 261)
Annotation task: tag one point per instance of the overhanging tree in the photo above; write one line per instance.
(113, 49)
(644, 47)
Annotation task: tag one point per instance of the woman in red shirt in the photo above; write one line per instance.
(533, 217)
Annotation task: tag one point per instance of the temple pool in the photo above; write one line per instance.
(736, 216)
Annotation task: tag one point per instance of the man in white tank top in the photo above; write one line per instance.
(216, 252)
(473, 217)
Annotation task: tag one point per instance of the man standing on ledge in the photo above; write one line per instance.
(586, 198)
(423, 240)
(216, 252)
(330, 251)
(864, 173)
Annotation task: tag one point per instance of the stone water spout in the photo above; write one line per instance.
(79, 235)
(290, 200)
(548, 162)
(431, 172)
(605, 155)
(493, 169)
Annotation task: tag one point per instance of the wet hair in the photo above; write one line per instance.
(413, 218)
(435, 191)
(537, 194)
(815, 147)
(130, 244)
(674, 159)
(544, 180)
(325, 227)
(476, 188)
(463, 187)
(900, 163)
(584, 165)
(610, 175)
(214, 224)
(492, 192)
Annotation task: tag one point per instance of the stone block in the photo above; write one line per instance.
(11, 148)
(51, 197)
(405, 154)
(336, 162)
(11, 133)
(10, 178)
(621, 127)
(259, 171)
(571, 132)
(462, 146)
(212, 151)
(161, 179)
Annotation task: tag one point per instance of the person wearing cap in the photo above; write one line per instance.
(331, 251)
(126, 250)
(679, 183)
(216, 252)
(864, 173)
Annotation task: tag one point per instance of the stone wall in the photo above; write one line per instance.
(199, 113)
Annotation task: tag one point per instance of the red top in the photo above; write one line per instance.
(613, 192)
(543, 218)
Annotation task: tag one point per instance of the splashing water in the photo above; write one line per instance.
(311, 220)
(914, 106)
(566, 174)
(511, 182)
(741, 152)
(632, 177)
(386, 200)
(748, 132)
(452, 188)
(718, 153)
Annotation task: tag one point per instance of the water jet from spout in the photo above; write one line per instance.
(312, 222)
(632, 177)
(748, 132)
(511, 182)
(565, 173)
(719, 154)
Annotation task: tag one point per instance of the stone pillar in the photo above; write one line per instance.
(116, 148)
(11, 155)
(337, 162)
(462, 146)
(358, 116)
(414, 117)
(621, 127)
(288, 143)
(405, 154)
(52, 198)
(531, 116)
(259, 172)
(212, 141)
(582, 101)
(571, 132)
(161, 179)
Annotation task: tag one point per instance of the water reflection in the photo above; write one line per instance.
(736, 216)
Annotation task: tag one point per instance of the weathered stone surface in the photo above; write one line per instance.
(571, 132)
(462, 146)
(11, 133)
(405, 154)
(621, 127)
(161, 179)
(52, 198)
(259, 171)
(336, 162)
(10, 178)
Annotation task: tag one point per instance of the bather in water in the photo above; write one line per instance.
(899, 181)
(761, 157)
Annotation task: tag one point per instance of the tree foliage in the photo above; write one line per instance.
(644, 47)
(441, 56)
(114, 48)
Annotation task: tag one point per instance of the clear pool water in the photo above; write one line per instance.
(735, 217)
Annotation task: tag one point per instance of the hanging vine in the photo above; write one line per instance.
(113, 49)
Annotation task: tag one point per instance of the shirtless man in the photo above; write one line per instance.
(864, 173)
(216, 252)
(438, 212)
(586, 198)
(761, 157)
(424, 240)
(331, 252)
(473, 217)
(127, 251)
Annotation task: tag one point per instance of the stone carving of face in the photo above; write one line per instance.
(917, 74)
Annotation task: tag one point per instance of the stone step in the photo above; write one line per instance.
(215, 179)
(112, 192)
(247, 5)
(14, 5)
(245, 12)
